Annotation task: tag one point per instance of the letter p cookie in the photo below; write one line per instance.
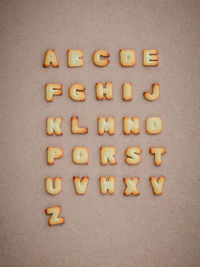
(53, 153)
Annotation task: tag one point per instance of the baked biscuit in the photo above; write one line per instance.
(53, 153)
(150, 57)
(75, 58)
(106, 125)
(81, 184)
(131, 186)
(53, 126)
(77, 92)
(104, 92)
(55, 212)
(57, 188)
(153, 125)
(157, 151)
(131, 125)
(107, 185)
(50, 59)
(100, 58)
(127, 91)
(132, 156)
(157, 184)
(80, 155)
(155, 92)
(108, 155)
(75, 127)
(127, 58)
(53, 89)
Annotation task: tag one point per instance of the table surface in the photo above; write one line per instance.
(101, 231)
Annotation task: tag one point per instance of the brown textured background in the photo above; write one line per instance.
(99, 230)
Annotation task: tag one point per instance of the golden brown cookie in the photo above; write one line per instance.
(75, 58)
(50, 59)
(108, 155)
(53, 189)
(153, 125)
(157, 151)
(127, 57)
(100, 58)
(155, 92)
(132, 156)
(104, 92)
(55, 212)
(131, 125)
(81, 184)
(53, 126)
(150, 57)
(75, 127)
(107, 185)
(77, 92)
(53, 89)
(127, 91)
(54, 153)
(106, 125)
(131, 186)
(157, 184)
(80, 155)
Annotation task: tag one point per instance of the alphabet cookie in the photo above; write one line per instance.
(77, 92)
(75, 127)
(107, 185)
(100, 58)
(54, 126)
(155, 92)
(127, 58)
(153, 125)
(157, 184)
(104, 92)
(157, 151)
(54, 153)
(57, 188)
(55, 212)
(50, 59)
(108, 155)
(75, 58)
(106, 125)
(131, 125)
(81, 184)
(150, 57)
(131, 186)
(80, 155)
(127, 91)
(53, 89)
(132, 156)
